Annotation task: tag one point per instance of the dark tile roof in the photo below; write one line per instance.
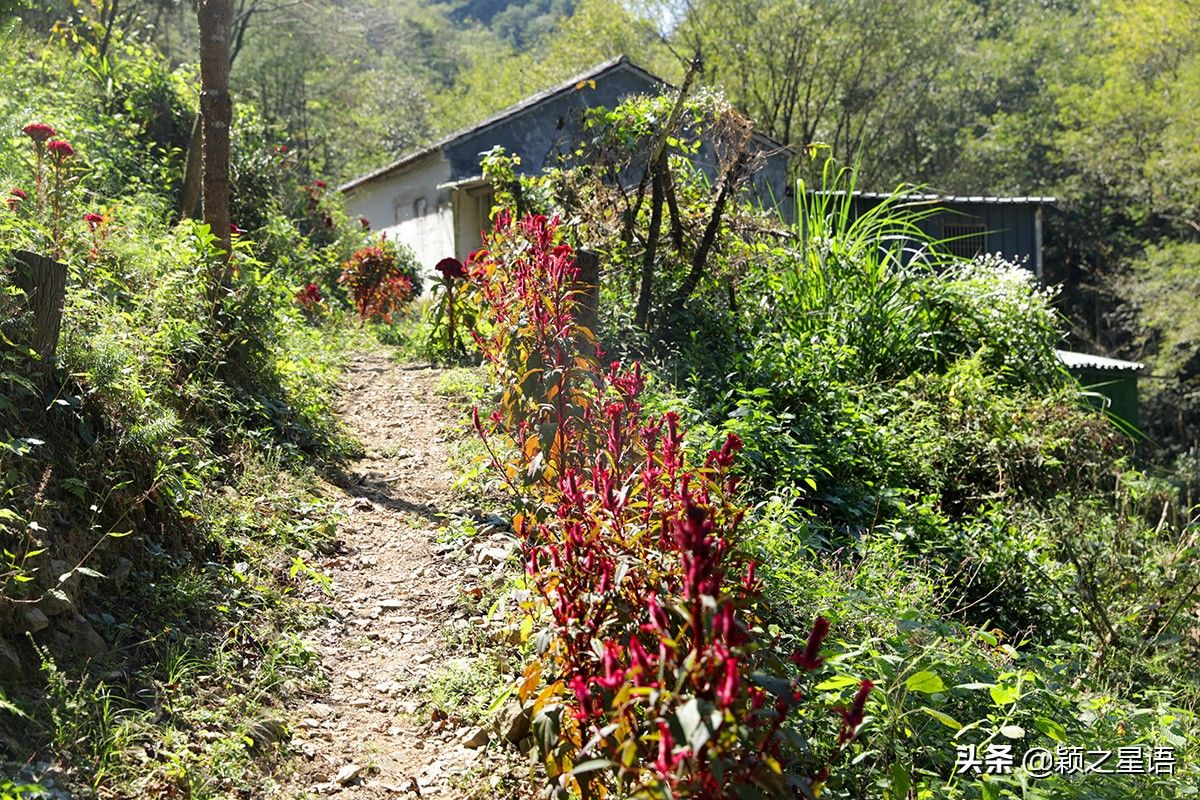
(531, 102)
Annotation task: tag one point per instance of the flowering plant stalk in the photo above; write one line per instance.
(97, 227)
(60, 151)
(651, 680)
(39, 133)
(453, 275)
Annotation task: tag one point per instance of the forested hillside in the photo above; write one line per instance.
(761, 510)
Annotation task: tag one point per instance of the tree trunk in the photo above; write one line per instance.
(699, 260)
(216, 112)
(44, 282)
(189, 193)
(641, 317)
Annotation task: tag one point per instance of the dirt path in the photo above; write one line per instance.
(393, 595)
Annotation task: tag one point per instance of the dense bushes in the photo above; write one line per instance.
(917, 466)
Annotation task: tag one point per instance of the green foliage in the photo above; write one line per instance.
(162, 481)
(924, 471)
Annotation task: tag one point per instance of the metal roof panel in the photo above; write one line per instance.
(1089, 361)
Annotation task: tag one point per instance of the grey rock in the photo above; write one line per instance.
(493, 555)
(514, 722)
(348, 774)
(66, 577)
(475, 738)
(119, 574)
(84, 639)
(498, 522)
(33, 620)
(11, 668)
(55, 602)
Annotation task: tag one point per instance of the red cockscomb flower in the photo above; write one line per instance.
(366, 223)
(93, 220)
(853, 716)
(310, 297)
(39, 132)
(727, 688)
(810, 659)
(15, 196)
(20, 194)
(451, 268)
(320, 184)
(60, 149)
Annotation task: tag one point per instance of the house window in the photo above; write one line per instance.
(420, 206)
(965, 240)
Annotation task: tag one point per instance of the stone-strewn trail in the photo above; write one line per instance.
(393, 594)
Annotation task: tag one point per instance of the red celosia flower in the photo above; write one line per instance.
(15, 196)
(658, 618)
(727, 689)
(366, 223)
(451, 268)
(614, 673)
(853, 717)
(810, 659)
(668, 759)
(93, 220)
(60, 149)
(39, 132)
(20, 194)
(646, 672)
(587, 700)
(309, 297)
(750, 582)
(320, 184)
(733, 443)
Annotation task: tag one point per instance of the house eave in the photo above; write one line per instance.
(396, 166)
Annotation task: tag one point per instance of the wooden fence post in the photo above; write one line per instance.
(44, 282)
(587, 303)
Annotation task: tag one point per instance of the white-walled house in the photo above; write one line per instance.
(435, 199)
